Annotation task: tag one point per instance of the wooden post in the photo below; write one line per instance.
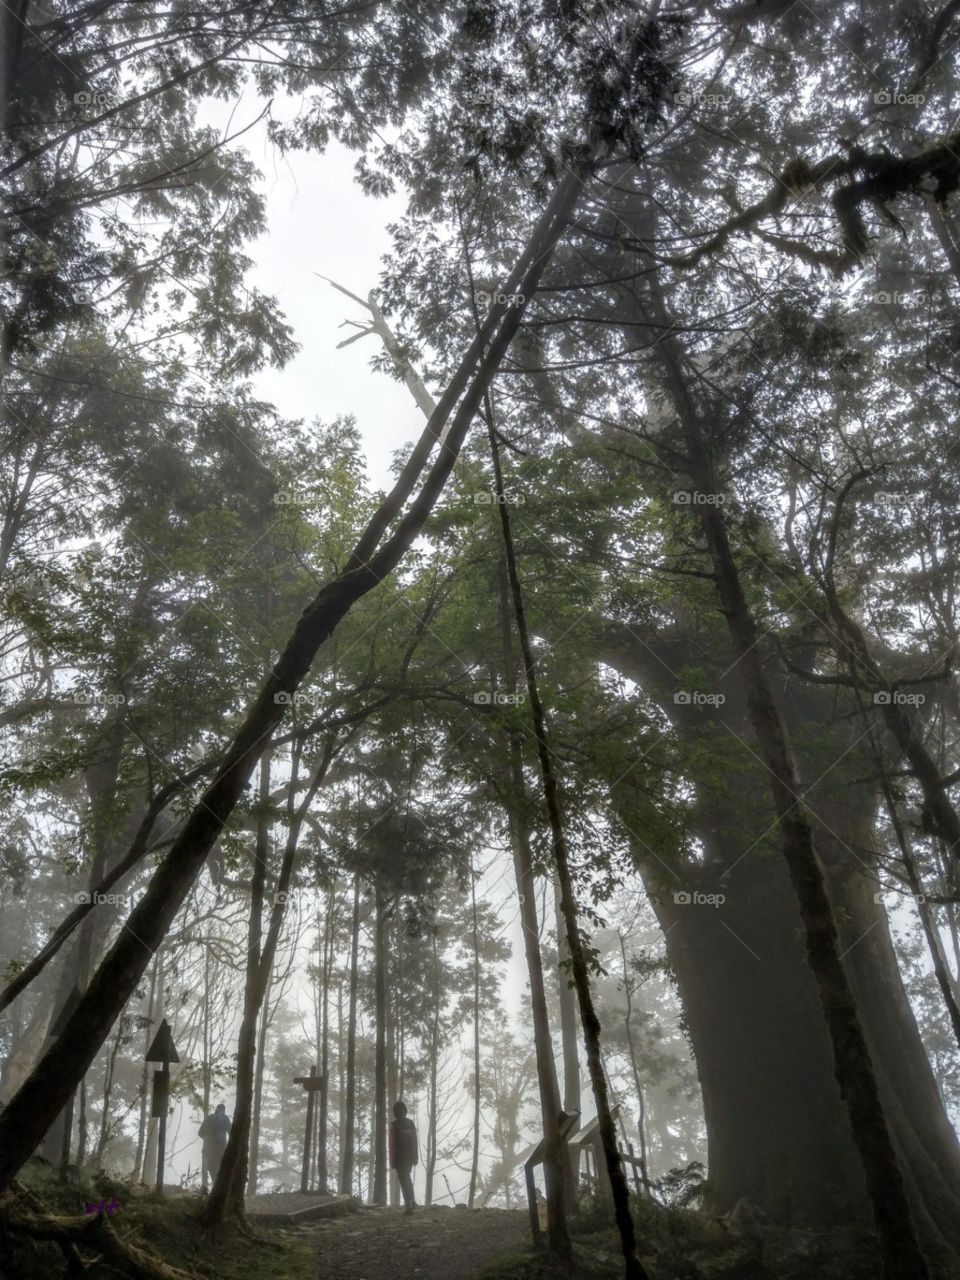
(311, 1083)
(162, 1050)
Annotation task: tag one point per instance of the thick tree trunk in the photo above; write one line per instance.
(899, 1245)
(31, 1111)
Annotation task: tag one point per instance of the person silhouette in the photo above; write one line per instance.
(404, 1152)
(214, 1131)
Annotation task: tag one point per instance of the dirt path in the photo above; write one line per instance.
(433, 1244)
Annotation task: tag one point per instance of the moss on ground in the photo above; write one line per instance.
(169, 1228)
(683, 1244)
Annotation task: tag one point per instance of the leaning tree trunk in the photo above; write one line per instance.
(899, 1245)
(42, 1096)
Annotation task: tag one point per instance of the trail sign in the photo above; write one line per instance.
(162, 1050)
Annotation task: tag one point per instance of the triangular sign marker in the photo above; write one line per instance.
(162, 1048)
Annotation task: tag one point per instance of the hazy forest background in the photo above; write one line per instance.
(544, 708)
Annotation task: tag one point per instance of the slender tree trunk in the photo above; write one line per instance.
(633, 1268)
(43, 1095)
(634, 1066)
(380, 1066)
(226, 1198)
(329, 940)
(154, 1004)
(475, 1160)
(392, 1091)
(254, 1175)
(207, 1056)
(900, 1248)
(568, 1013)
(347, 1142)
(555, 1160)
(433, 1072)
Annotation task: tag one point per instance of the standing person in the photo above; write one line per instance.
(404, 1152)
(214, 1131)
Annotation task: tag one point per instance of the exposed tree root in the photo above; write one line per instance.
(90, 1233)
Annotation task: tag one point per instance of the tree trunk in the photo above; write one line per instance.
(632, 1267)
(226, 1198)
(899, 1245)
(568, 1012)
(475, 1157)
(43, 1095)
(380, 1067)
(254, 1174)
(347, 1140)
(431, 1157)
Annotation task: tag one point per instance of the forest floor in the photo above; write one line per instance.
(431, 1244)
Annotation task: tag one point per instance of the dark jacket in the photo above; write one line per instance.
(404, 1147)
(215, 1129)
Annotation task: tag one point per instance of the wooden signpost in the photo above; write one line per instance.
(161, 1050)
(312, 1083)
